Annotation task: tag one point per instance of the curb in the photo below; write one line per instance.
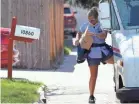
(42, 98)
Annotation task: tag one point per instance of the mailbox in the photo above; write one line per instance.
(20, 33)
(26, 34)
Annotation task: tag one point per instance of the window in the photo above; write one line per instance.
(114, 21)
(67, 11)
(129, 12)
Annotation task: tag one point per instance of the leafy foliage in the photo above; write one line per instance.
(87, 4)
(67, 50)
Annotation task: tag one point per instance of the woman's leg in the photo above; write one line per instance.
(110, 60)
(93, 77)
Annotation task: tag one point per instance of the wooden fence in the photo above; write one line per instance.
(46, 15)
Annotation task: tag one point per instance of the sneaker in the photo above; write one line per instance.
(80, 61)
(103, 62)
(92, 99)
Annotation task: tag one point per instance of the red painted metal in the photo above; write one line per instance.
(10, 47)
(23, 39)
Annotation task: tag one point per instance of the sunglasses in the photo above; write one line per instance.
(92, 20)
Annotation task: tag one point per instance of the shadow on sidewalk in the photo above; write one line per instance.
(68, 63)
(67, 66)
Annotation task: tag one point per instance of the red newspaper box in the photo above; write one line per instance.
(5, 35)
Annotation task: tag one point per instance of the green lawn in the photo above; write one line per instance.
(19, 91)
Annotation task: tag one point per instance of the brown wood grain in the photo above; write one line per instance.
(44, 14)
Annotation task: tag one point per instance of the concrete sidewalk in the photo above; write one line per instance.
(69, 84)
(74, 88)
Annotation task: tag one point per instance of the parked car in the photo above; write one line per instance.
(69, 21)
(4, 32)
(121, 18)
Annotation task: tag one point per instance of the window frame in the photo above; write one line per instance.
(69, 10)
(114, 16)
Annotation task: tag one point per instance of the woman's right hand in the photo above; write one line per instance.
(76, 42)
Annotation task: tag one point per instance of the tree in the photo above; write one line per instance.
(87, 4)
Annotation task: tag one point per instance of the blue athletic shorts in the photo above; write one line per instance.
(96, 61)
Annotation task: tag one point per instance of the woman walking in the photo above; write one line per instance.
(99, 52)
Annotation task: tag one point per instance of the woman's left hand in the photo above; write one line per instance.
(90, 33)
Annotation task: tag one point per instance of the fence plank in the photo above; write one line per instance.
(44, 14)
